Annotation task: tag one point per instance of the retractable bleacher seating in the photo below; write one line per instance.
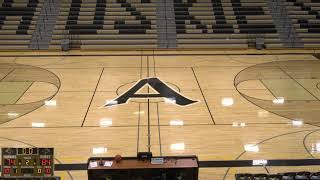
(305, 15)
(224, 23)
(103, 24)
(17, 22)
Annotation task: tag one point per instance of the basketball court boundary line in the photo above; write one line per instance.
(213, 164)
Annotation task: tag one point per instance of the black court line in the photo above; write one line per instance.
(94, 93)
(7, 74)
(266, 169)
(148, 67)
(298, 83)
(268, 88)
(180, 54)
(134, 67)
(249, 163)
(139, 109)
(214, 164)
(149, 133)
(204, 98)
(159, 129)
(131, 126)
(24, 92)
(154, 65)
(318, 86)
(141, 66)
(138, 137)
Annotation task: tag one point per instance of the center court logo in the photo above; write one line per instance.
(162, 89)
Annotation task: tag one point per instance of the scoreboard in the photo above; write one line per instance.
(27, 162)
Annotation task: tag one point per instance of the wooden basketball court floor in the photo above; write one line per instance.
(247, 107)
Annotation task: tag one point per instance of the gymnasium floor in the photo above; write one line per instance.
(241, 107)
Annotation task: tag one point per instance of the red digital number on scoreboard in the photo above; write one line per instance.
(45, 162)
(47, 170)
(10, 162)
(6, 170)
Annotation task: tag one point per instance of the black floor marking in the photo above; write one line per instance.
(161, 54)
(268, 88)
(149, 124)
(265, 167)
(148, 67)
(154, 65)
(298, 83)
(141, 63)
(139, 109)
(23, 93)
(318, 86)
(94, 93)
(138, 137)
(131, 126)
(7, 74)
(159, 129)
(204, 98)
(149, 133)
(213, 164)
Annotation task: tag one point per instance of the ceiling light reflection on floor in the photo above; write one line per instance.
(177, 147)
(12, 115)
(51, 103)
(251, 148)
(278, 100)
(170, 100)
(105, 122)
(111, 102)
(297, 123)
(227, 101)
(176, 123)
(239, 124)
(99, 150)
(38, 125)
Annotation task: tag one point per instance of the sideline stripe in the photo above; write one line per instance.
(215, 164)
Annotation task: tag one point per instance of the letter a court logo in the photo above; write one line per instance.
(162, 89)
